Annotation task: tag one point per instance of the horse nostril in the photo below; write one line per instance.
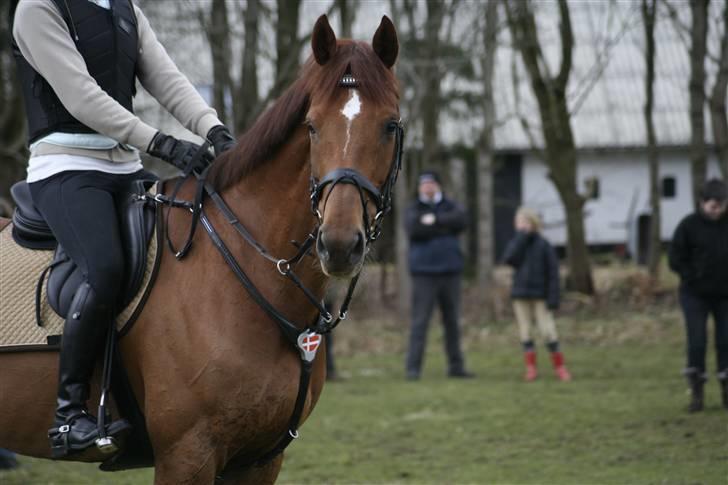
(321, 248)
(357, 249)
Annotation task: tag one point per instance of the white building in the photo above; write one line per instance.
(606, 98)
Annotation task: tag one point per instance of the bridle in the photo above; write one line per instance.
(306, 341)
(381, 196)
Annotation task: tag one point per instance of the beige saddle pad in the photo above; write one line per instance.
(20, 269)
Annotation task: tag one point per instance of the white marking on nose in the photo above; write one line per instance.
(351, 110)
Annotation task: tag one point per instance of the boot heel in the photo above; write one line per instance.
(59, 445)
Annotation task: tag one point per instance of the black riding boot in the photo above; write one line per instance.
(723, 379)
(696, 379)
(83, 337)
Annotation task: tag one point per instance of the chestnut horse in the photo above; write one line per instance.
(213, 374)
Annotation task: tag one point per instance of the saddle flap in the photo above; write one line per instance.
(136, 221)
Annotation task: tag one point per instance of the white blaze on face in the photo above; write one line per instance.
(351, 110)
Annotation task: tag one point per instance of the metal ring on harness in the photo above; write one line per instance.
(280, 264)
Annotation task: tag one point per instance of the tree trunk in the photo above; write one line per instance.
(404, 284)
(218, 35)
(287, 43)
(698, 34)
(13, 152)
(717, 101)
(560, 149)
(347, 11)
(485, 225)
(653, 260)
(247, 98)
(431, 75)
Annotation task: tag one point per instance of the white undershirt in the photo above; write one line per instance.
(44, 166)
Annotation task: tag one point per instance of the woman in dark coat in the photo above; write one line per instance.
(535, 292)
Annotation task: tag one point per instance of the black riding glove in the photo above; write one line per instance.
(179, 153)
(221, 138)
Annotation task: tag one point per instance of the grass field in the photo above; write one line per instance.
(621, 421)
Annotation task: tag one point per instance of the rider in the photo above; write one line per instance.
(78, 61)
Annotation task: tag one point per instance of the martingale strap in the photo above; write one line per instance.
(196, 205)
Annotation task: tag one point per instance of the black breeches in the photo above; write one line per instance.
(79, 207)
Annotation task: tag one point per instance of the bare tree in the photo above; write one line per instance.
(13, 154)
(717, 102)
(560, 149)
(486, 257)
(698, 36)
(288, 46)
(247, 99)
(218, 36)
(347, 12)
(648, 15)
(430, 72)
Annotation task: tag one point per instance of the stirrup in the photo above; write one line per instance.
(61, 447)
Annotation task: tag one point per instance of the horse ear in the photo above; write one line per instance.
(323, 40)
(385, 42)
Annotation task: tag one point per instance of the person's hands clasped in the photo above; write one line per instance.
(428, 219)
(180, 153)
(221, 138)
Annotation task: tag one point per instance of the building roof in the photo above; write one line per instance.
(606, 88)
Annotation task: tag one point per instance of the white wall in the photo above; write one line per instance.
(624, 195)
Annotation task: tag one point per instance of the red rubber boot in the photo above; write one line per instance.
(531, 372)
(557, 358)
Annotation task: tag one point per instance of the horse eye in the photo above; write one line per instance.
(311, 129)
(392, 127)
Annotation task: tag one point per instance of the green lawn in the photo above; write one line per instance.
(621, 421)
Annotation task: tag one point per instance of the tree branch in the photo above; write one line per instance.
(567, 46)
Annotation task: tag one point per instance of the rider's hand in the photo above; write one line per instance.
(221, 138)
(179, 153)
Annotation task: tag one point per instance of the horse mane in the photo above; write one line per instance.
(275, 126)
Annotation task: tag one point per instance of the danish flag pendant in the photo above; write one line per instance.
(308, 344)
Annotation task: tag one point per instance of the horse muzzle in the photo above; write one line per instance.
(341, 253)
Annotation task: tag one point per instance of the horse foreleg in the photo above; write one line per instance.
(264, 475)
(187, 462)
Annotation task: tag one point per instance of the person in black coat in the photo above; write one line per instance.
(535, 291)
(433, 223)
(699, 254)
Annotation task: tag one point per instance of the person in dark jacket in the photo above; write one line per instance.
(535, 292)
(433, 223)
(699, 254)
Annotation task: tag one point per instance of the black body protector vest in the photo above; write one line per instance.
(108, 42)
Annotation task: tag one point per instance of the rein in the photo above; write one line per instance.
(305, 341)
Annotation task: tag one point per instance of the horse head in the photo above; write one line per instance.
(355, 141)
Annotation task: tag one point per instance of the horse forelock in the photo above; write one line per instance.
(375, 83)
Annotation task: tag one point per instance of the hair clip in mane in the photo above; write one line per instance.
(348, 81)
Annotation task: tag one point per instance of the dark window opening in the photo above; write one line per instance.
(592, 189)
(669, 187)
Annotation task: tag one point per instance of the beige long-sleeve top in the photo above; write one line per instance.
(45, 42)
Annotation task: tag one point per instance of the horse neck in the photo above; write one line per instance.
(274, 199)
(273, 203)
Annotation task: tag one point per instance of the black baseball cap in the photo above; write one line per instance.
(429, 176)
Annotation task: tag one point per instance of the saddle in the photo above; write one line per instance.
(137, 219)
